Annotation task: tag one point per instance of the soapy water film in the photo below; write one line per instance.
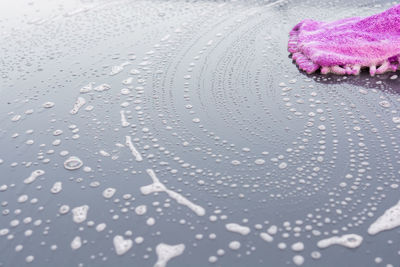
(180, 133)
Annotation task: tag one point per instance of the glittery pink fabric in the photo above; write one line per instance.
(348, 45)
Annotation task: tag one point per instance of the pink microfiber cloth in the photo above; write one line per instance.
(347, 45)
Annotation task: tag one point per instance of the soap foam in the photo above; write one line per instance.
(236, 228)
(79, 214)
(80, 101)
(34, 175)
(121, 245)
(76, 243)
(135, 153)
(57, 187)
(349, 241)
(157, 186)
(166, 252)
(389, 220)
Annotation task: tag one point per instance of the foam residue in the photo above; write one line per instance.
(150, 221)
(298, 260)
(64, 209)
(80, 101)
(234, 245)
(73, 163)
(157, 186)
(141, 210)
(48, 104)
(102, 87)
(57, 187)
(104, 153)
(35, 174)
(298, 246)
(166, 252)
(100, 227)
(124, 122)
(237, 228)
(76, 243)
(135, 153)
(115, 70)
(79, 214)
(389, 220)
(121, 245)
(109, 192)
(272, 230)
(349, 241)
(266, 237)
(86, 89)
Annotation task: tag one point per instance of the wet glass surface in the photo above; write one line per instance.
(252, 162)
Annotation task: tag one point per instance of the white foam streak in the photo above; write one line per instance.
(157, 186)
(166, 252)
(124, 122)
(80, 101)
(134, 151)
(389, 220)
(349, 241)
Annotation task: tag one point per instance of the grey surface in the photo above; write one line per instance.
(49, 51)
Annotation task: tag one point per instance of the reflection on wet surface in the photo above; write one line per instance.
(141, 133)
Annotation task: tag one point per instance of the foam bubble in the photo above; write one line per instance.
(141, 210)
(80, 101)
(115, 70)
(389, 220)
(48, 104)
(298, 260)
(121, 245)
(102, 87)
(76, 243)
(124, 122)
(166, 252)
(79, 214)
(73, 163)
(100, 227)
(64, 209)
(298, 246)
(86, 89)
(266, 237)
(34, 175)
(234, 245)
(349, 240)
(157, 186)
(236, 228)
(57, 187)
(109, 192)
(135, 153)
